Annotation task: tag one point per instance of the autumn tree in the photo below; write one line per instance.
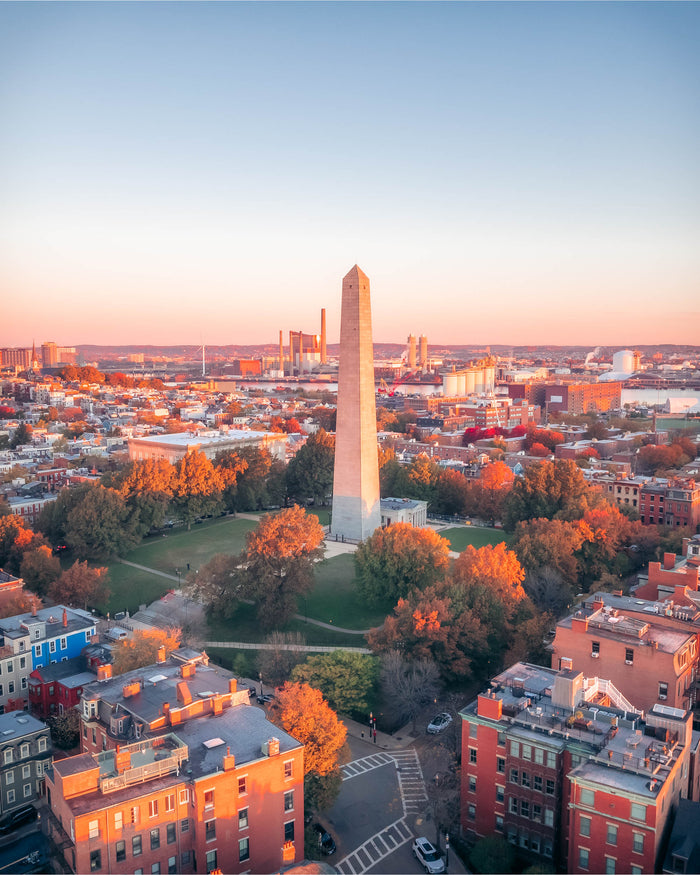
(39, 569)
(219, 584)
(346, 679)
(14, 603)
(494, 484)
(196, 487)
(15, 540)
(397, 559)
(142, 648)
(310, 472)
(80, 586)
(279, 557)
(230, 466)
(251, 488)
(305, 715)
(283, 652)
(147, 487)
(554, 544)
(453, 496)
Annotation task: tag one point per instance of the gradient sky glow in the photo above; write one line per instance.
(517, 173)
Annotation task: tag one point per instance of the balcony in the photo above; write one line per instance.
(147, 760)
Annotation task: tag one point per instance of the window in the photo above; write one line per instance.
(539, 756)
(288, 770)
(170, 833)
(243, 850)
(499, 822)
(549, 817)
(95, 861)
(629, 656)
(64, 643)
(587, 797)
(185, 858)
(289, 801)
(472, 730)
(23, 662)
(27, 790)
(527, 752)
(472, 755)
(551, 759)
(155, 869)
(184, 796)
(24, 750)
(211, 860)
(42, 744)
(638, 812)
(547, 848)
(155, 839)
(663, 690)
(10, 665)
(94, 829)
(153, 808)
(26, 771)
(515, 748)
(289, 831)
(37, 650)
(209, 830)
(595, 648)
(524, 808)
(635, 870)
(501, 740)
(500, 793)
(172, 865)
(208, 798)
(513, 805)
(637, 842)
(10, 687)
(609, 866)
(611, 837)
(500, 765)
(549, 787)
(120, 848)
(471, 812)
(118, 820)
(535, 844)
(10, 778)
(185, 825)
(10, 797)
(585, 828)
(52, 646)
(242, 818)
(583, 858)
(472, 784)
(94, 734)
(23, 683)
(242, 786)
(135, 814)
(537, 812)
(136, 846)
(537, 783)
(170, 802)
(514, 776)
(525, 779)
(8, 756)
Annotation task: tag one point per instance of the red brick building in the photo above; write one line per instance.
(674, 502)
(191, 778)
(580, 398)
(568, 771)
(58, 687)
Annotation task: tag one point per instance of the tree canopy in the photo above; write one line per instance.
(310, 472)
(346, 679)
(80, 586)
(142, 648)
(549, 490)
(196, 487)
(399, 558)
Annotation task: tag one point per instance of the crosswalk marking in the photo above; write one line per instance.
(375, 849)
(366, 764)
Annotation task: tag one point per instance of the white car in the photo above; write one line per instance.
(428, 855)
(440, 722)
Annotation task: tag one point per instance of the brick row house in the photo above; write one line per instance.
(566, 769)
(178, 773)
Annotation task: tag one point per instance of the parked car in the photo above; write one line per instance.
(439, 722)
(25, 814)
(325, 839)
(428, 855)
(265, 699)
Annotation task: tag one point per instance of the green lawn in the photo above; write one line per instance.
(461, 536)
(335, 599)
(324, 516)
(178, 546)
(131, 587)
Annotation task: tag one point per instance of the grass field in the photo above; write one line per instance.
(461, 536)
(335, 599)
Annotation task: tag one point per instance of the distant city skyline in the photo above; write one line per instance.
(504, 173)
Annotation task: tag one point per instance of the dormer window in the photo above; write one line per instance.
(37, 634)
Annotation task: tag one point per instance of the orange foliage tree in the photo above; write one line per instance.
(142, 648)
(80, 585)
(15, 540)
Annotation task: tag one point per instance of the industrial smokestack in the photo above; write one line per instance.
(323, 336)
(281, 366)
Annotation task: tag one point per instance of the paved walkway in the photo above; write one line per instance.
(306, 648)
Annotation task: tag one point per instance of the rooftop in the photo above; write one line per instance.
(77, 620)
(213, 437)
(15, 724)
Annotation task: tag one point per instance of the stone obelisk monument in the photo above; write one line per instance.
(356, 511)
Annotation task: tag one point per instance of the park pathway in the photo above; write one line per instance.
(306, 648)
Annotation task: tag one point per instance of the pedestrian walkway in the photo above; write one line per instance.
(304, 648)
(411, 783)
(366, 764)
(373, 851)
(149, 570)
(398, 740)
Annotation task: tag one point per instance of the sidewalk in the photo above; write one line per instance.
(398, 740)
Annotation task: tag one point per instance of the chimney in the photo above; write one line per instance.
(104, 672)
(33, 606)
(184, 696)
(166, 708)
(187, 670)
(122, 760)
(229, 760)
(65, 617)
(161, 655)
(271, 747)
(323, 336)
(491, 708)
(232, 685)
(669, 561)
(579, 624)
(132, 689)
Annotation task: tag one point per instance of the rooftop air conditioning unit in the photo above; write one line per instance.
(628, 662)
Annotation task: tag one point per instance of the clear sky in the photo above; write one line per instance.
(512, 173)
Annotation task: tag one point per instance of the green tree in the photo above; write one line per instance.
(39, 569)
(219, 584)
(549, 490)
(65, 729)
(397, 559)
(80, 586)
(196, 487)
(22, 435)
(147, 487)
(100, 525)
(230, 466)
(492, 854)
(310, 472)
(279, 558)
(251, 489)
(453, 493)
(346, 679)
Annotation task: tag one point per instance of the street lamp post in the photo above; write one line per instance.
(447, 850)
